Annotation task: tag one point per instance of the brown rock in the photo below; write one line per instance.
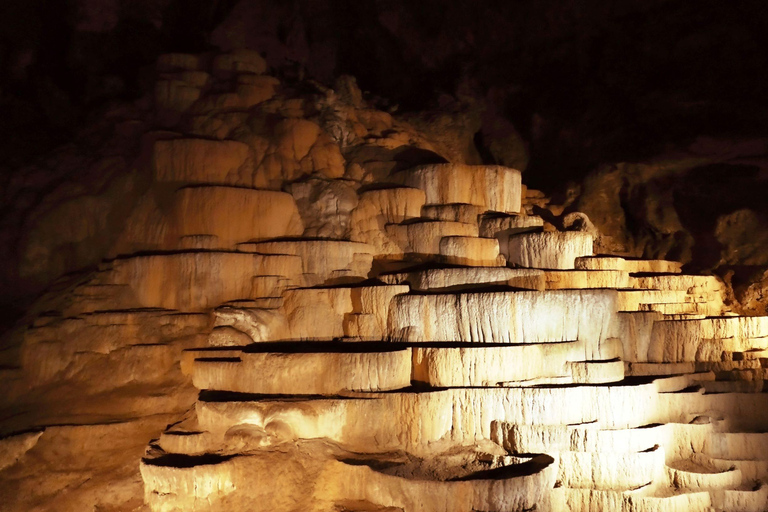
(454, 183)
(202, 161)
(240, 61)
(234, 215)
(743, 236)
(325, 206)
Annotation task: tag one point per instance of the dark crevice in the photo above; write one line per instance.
(178, 460)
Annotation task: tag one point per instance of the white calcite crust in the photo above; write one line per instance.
(505, 317)
(551, 250)
(490, 187)
(304, 373)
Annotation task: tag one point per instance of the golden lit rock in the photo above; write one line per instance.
(296, 309)
(471, 251)
(628, 265)
(467, 278)
(466, 213)
(555, 250)
(565, 279)
(235, 215)
(198, 280)
(306, 372)
(202, 161)
(488, 366)
(421, 239)
(493, 188)
(323, 261)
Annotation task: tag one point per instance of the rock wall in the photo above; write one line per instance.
(293, 290)
(576, 86)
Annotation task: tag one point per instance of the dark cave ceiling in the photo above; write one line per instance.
(583, 82)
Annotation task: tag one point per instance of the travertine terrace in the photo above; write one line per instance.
(443, 353)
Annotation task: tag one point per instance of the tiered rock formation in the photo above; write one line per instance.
(429, 346)
(504, 372)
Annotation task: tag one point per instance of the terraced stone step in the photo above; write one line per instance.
(499, 226)
(346, 482)
(65, 346)
(471, 251)
(734, 386)
(332, 368)
(506, 317)
(634, 300)
(310, 314)
(467, 278)
(679, 440)
(323, 261)
(647, 499)
(305, 369)
(209, 217)
(548, 250)
(697, 473)
(611, 471)
(453, 417)
(196, 281)
(752, 446)
(495, 365)
(585, 452)
(641, 369)
(691, 284)
(235, 215)
(490, 187)
(422, 238)
(593, 372)
(456, 212)
(755, 471)
(633, 266)
(583, 279)
(706, 339)
(732, 368)
(380, 207)
(328, 313)
(685, 310)
(391, 204)
(491, 339)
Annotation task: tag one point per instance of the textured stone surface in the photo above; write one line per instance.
(628, 265)
(495, 365)
(345, 485)
(471, 251)
(505, 317)
(423, 238)
(310, 303)
(549, 250)
(234, 215)
(198, 280)
(323, 261)
(325, 207)
(378, 208)
(304, 373)
(451, 183)
(446, 279)
(202, 161)
(564, 279)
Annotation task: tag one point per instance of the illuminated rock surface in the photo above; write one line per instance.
(556, 250)
(282, 329)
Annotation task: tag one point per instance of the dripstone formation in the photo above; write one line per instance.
(422, 342)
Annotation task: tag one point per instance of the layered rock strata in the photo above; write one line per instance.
(471, 378)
